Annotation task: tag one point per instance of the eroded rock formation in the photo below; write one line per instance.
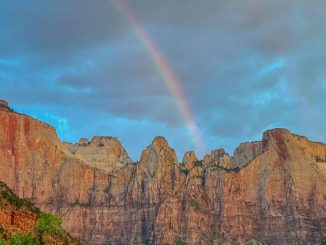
(273, 190)
(20, 217)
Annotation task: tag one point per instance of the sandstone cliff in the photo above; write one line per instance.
(273, 190)
(19, 221)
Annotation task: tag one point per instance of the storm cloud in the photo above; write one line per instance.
(244, 66)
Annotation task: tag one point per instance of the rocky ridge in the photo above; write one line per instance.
(273, 190)
(105, 153)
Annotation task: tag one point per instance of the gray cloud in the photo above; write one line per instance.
(244, 66)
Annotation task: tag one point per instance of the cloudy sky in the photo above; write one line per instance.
(242, 67)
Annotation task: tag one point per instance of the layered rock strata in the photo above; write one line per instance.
(273, 190)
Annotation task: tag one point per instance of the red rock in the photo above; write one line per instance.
(278, 196)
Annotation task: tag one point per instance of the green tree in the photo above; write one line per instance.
(49, 224)
(2, 242)
(323, 241)
(20, 239)
(180, 242)
(254, 242)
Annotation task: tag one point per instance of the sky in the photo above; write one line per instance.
(238, 68)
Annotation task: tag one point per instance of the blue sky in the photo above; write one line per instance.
(245, 66)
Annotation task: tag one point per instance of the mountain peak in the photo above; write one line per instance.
(102, 152)
(83, 142)
(215, 154)
(4, 105)
(160, 142)
(276, 131)
(165, 198)
(189, 159)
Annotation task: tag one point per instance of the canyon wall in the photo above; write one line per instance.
(273, 190)
(20, 223)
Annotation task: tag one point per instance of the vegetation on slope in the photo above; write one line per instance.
(9, 198)
(43, 228)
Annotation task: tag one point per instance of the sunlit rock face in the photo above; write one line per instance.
(104, 153)
(273, 190)
(246, 152)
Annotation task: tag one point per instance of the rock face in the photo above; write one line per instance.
(104, 153)
(13, 217)
(273, 190)
(20, 216)
(4, 105)
(246, 152)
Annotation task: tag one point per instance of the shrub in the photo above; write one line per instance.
(254, 242)
(49, 224)
(185, 171)
(198, 163)
(194, 203)
(180, 242)
(323, 241)
(320, 159)
(13, 199)
(19, 239)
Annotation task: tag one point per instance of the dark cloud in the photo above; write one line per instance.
(245, 66)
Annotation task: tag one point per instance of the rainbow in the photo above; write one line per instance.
(168, 75)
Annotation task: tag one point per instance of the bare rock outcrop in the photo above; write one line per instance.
(273, 190)
(104, 153)
(189, 159)
(246, 152)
